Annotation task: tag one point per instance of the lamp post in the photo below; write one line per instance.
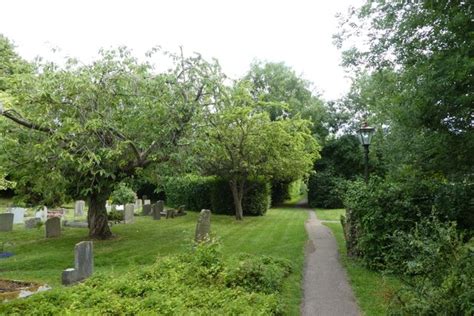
(365, 137)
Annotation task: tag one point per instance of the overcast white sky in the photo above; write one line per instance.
(297, 32)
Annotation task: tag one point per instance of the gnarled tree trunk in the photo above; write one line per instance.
(237, 188)
(97, 216)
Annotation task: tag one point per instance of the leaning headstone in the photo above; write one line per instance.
(157, 209)
(79, 208)
(83, 264)
(146, 202)
(32, 222)
(146, 210)
(53, 227)
(19, 215)
(6, 222)
(203, 227)
(128, 213)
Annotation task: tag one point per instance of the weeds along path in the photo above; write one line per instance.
(326, 291)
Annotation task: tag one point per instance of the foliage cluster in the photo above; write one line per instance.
(199, 282)
(408, 228)
(123, 194)
(286, 190)
(198, 193)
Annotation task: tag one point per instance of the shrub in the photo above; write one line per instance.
(190, 284)
(285, 190)
(123, 194)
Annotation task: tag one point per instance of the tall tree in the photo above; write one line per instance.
(419, 60)
(87, 127)
(239, 142)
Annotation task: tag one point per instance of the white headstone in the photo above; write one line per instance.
(146, 202)
(19, 215)
(108, 207)
(79, 208)
(119, 208)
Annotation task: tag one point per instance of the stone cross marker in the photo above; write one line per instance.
(53, 227)
(79, 208)
(32, 222)
(19, 215)
(203, 227)
(6, 222)
(128, 213)
(146, 210)
(158, 207)
(83, 264)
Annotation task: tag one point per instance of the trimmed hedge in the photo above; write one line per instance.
(325, 190)
(210, 193)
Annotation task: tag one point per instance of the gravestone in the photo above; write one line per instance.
(83, 264)
(119, 207)
(128, 213)
(79, 208)
(6, 222)
(75, 224)
(146, 210)
(181, 211)
(146, 202)
(53, 227)
(108, 207)
(32, 222)
(19, 215)
(43, 214)
(203, 227)
(157, 209)
(138, 204)
(170, 213)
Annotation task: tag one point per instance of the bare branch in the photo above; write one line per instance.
(10, 114)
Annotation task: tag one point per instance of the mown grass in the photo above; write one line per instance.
(330, 214)
(373, 290)
(280, 233)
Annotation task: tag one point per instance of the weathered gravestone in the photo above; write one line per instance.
(170, 213)
(32, 222)
(180, 211)
(79, 208)
(146, 210)
(53, 227)
(128, 213)
(43, 215)
(203, 227)
(19, 215)
(158, 207)
(6, 222)
(146, 202)
(83, 264)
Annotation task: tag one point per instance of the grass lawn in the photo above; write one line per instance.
(373, 290)
(279, 233)
(330, 214)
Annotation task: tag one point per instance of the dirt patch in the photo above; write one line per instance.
(10, 289)
(10, 286)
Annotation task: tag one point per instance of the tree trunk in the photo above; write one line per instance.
(237, 194)
(97, 216)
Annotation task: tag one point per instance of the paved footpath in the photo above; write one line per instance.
(325, 287)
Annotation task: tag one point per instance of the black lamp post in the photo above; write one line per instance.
(365, 137)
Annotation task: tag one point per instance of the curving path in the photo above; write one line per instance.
(326, 291)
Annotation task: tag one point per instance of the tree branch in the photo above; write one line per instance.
(10, 114)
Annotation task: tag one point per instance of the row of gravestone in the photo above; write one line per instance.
(84, 256)
(52, 225)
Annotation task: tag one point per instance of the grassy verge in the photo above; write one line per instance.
(330, 214)
(373, 290)
(280, 233)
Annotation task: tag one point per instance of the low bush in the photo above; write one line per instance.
(122, 195)
(197, 283)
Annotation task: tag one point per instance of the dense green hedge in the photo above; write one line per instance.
(325, 190)
(210, 193)
(285, 190)
(198, 283)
